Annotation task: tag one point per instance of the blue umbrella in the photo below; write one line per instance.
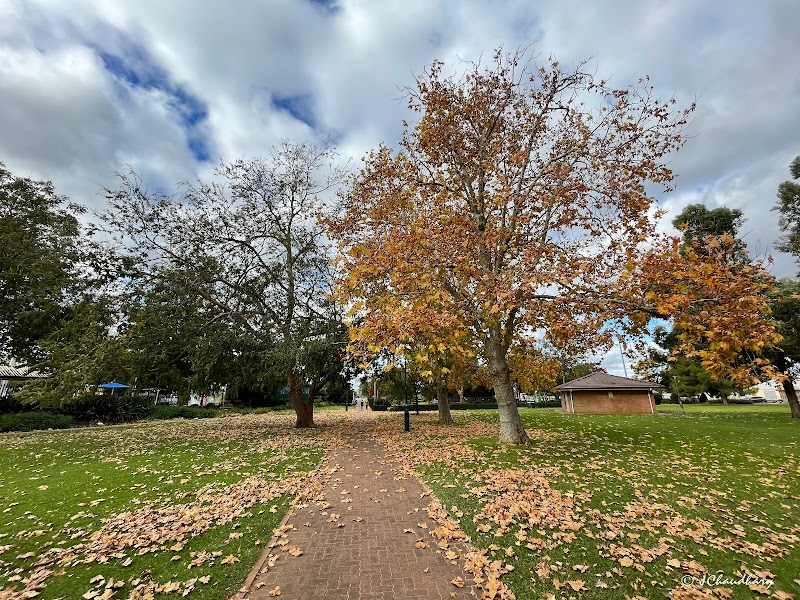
(112, 385)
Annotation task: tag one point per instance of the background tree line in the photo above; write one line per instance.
(511, 229)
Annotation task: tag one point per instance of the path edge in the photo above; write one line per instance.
(247, 584)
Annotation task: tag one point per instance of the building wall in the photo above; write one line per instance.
(623, 402)
(773, 391)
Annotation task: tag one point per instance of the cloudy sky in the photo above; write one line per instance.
(170, 87)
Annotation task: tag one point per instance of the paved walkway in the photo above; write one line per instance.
(368, 538)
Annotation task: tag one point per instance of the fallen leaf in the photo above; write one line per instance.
(576, 585)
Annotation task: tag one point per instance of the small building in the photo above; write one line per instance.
(9, 374)
(601, 393)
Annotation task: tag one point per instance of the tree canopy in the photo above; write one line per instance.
(706, 233)
(248, 249)
(789, 207)
(40, 252)
(785, 355)
(518, 203)
(697, 222)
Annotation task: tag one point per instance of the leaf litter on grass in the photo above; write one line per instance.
(572, 515)
(164, 523)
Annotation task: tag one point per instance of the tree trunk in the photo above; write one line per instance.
(511, 429)
(443, 402)
(791, 396)
(724, 399)
(461, 393)
(303, 410)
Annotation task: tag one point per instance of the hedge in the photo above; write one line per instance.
(546, 404)
(109, 408)
(431, 407)
(476, 406)
(28, 421)
(166, 411)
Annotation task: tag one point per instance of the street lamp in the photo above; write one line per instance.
(405, 381)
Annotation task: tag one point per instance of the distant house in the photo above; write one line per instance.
(772, 391)
(601, 393)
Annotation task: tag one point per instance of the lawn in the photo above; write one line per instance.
(627, 506)
(156, 507)
(598, 506)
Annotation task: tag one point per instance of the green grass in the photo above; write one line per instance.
(711, 487)
(57, 488)
(689, 480)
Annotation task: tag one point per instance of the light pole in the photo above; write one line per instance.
(405, 381)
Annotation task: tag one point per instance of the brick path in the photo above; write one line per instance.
(353, 542)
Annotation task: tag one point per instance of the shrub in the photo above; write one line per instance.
(165, 411)
(109, 408)
(28, 421)
(422, 406)
(477, 405)
(10, 404)
(544, 404)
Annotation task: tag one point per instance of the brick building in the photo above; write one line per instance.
(602, 393)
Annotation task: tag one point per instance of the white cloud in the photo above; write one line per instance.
(67, 118)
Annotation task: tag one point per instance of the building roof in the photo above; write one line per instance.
(604, 381)
(9, 372)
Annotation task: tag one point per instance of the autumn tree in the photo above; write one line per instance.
(789, 207)
(706, 233)
(519, 202)
(247, 246)
(397, 335)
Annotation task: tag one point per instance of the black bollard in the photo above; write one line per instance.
(407, 420)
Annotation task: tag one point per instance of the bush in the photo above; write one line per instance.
(109, 408)
(411, 407)
(659, 397)
(165, 411)
(477, 405)
(10, 404)
(544, 404)
(28, 421)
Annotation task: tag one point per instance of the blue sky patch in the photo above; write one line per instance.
(330, 6)
(300, 107)
(134, 67)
